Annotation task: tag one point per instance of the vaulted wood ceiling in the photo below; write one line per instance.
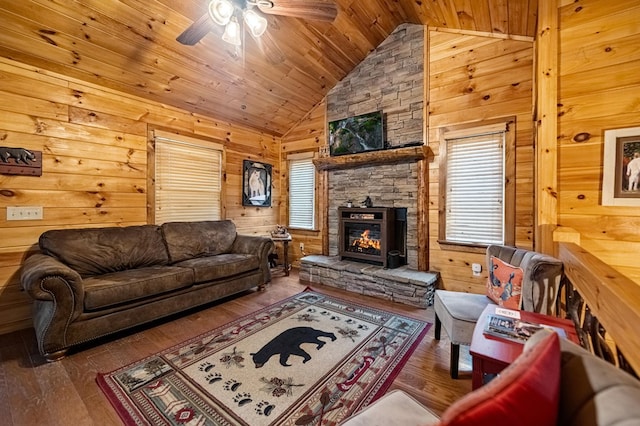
(130, 45)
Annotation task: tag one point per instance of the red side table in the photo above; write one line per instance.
(491, 355)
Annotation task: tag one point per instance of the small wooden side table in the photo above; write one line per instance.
(285, 245)
(491, 355)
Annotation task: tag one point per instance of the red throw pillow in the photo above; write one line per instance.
(525, 393)
(504, 285)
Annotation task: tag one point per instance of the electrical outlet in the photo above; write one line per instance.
(301, 246)
(476, 268)
(24, 213)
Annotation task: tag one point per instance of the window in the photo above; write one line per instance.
(188, 176)
(302, 181)
(476, 183)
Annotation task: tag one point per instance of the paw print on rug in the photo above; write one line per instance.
(242, 399)
(213, 378)
(331, 315)
(206, 367)
(264, 408)
(232, 385)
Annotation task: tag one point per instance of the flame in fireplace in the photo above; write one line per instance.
(364, 242)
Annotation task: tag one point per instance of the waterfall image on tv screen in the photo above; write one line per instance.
(356, 134)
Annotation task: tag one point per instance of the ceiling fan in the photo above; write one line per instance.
(231, 13)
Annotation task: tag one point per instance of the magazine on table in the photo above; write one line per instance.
(515, 329)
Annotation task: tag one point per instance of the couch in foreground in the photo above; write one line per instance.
(553, 382)
(88, 283)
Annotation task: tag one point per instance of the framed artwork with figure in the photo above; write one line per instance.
(621, 167)
(256, 184)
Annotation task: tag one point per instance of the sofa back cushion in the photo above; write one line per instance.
(187, 240)
(595, 392)
(96, 251)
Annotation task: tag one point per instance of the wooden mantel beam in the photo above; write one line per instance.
(387, 156)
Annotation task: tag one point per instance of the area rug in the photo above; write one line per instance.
(310, 359)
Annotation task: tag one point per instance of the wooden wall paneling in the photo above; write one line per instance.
(487, 82)
(546, 186)
(598, 53)
(424, 174)
(448, 43)
(478, 113)
(37, 107)
(609, 103)
(308, 135)
(609, 77)
(106, 121)
(487, 78)
(487, 67)
(487, 97)
(476, 50)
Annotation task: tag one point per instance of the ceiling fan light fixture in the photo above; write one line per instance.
(221, 11)
(232, 33)
(257, 24)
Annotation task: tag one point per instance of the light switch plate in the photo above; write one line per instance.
(24, 213)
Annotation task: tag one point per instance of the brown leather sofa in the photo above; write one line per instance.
(88, 283)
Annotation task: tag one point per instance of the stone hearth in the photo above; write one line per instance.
(403, 285)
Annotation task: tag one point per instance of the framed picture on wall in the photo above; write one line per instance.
(621, 167)
(256, 184)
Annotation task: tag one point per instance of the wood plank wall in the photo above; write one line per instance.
(474, 78)
(94, 145)
(308, 136)
(599, 83)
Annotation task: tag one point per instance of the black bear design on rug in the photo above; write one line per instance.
(288, 343)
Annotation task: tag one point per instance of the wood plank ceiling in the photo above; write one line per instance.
(130, 45)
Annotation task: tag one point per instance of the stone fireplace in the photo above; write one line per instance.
(390, 79)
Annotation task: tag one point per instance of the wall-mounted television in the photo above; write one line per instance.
(356, 134)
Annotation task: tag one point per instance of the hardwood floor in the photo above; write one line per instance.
(33, 392)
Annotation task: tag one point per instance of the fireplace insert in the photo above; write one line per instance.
(368, 234)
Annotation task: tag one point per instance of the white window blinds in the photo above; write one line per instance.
(302, 193)
(475, 188)
(187, 179)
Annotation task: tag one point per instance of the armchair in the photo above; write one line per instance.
(458, 312)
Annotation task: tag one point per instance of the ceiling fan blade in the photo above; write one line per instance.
(316, 10)
(196, 31)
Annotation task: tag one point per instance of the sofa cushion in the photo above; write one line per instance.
(188, 240)
(525, 393)
(221, 266)
(96, 251)
(597, 392)
(127, 286)
(504, 285)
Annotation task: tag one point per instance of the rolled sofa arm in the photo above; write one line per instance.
(58, 296)
(259, 246)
